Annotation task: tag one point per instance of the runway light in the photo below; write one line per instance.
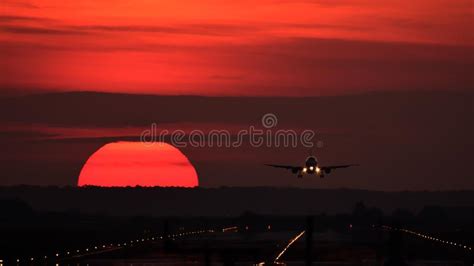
(288, 246)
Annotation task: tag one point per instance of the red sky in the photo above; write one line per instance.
(242, 48)
(269, 47)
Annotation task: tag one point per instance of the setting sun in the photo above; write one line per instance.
(121, 164)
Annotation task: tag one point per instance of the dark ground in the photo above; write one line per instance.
(356, 237)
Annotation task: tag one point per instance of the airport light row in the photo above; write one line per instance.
(428, 237)
(293, 240)
(277, 258)
(111, 247)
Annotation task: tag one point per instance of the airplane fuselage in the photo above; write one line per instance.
(311, 166)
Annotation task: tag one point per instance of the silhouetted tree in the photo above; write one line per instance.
(403, 216)
(14, 210)
(364, 215)
(433, 215)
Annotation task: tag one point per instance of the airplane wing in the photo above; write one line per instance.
(293, 169)
(330, 167)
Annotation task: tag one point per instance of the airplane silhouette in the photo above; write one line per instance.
(311, 166)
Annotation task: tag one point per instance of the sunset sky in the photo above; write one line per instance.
(385, 84)
(269, 47)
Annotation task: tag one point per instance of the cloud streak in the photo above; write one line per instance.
(295, 48)
(6, 18)
(39, 30)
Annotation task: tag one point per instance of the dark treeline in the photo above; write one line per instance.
(231, 201)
